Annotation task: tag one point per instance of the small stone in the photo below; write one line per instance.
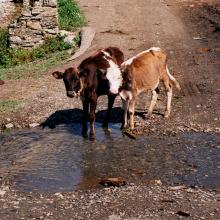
(2, 192)
(9, 125)
(33, 125)
(59, 195)
(35, 11)
(177, 187)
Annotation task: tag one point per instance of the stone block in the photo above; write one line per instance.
(35, 25)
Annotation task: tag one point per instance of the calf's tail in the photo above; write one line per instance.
(173, 80)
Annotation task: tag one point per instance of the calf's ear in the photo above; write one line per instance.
(57, 75)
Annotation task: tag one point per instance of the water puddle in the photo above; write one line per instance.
(59, 159)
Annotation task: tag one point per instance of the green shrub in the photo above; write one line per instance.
(4, 53)
(70, 16)
(51, 45)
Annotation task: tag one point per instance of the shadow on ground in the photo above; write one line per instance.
(68, 116)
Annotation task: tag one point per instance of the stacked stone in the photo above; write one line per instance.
(37, 22)
(7, 8)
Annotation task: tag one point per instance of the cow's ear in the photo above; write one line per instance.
(57, 75)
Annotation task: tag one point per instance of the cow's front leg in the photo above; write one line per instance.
(84, 118)
(111, 99)
(93, 104)
(125, 104)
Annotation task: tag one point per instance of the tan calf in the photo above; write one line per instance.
(141, 73)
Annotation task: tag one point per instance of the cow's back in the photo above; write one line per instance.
(146, 68)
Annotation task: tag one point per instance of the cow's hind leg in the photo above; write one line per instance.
(169, 92)
(153, 102)
(93, 104)
(111, 99)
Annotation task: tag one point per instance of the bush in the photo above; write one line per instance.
(70, 16)
(18, 56)
(4, 53)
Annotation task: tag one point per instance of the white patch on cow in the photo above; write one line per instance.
(114, 76)
(129, 61)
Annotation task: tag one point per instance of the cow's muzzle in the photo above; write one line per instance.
(71, 94)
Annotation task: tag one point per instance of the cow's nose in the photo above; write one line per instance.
(71, 94)
(114, 91)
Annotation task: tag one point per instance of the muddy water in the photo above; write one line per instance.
(60, 159)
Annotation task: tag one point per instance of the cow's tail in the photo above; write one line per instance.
(173, 80)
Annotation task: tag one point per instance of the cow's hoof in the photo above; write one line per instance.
(91, 137)
(124, 127)
(167, 115)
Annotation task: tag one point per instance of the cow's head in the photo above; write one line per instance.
(71, 80)
(113, 73)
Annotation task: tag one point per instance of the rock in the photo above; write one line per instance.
(34, 25)
(15, 39)
(114, 181)
(2, 192)
(9, 126)
(33, 125)
(181, 213)
(50, 3)
(35, 11)
(26, 13)
(177, 187)
(68, 36)
(59, 195)
(51, 31)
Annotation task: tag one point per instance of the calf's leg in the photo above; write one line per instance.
(125, 104)
(111, 99)
(153, 102)
(169, 92)
(131, 112)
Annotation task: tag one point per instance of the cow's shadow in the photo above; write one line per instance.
(69, 116)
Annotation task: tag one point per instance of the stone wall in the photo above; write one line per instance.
(7, 9)
(38, 21)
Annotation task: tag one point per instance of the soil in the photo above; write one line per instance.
(189, 31)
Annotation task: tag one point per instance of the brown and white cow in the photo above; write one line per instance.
(142, 73)
(91, 80)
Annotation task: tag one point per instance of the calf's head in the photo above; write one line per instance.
(71, 81)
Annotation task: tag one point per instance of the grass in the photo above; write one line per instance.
(69, 15)
(34, 69)
(8, 105)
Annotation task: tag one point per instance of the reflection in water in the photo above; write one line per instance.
(60, 159)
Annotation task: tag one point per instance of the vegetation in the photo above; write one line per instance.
(70, 16)
(15, 63)
(7, 105)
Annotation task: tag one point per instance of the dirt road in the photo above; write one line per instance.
(189, 32)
